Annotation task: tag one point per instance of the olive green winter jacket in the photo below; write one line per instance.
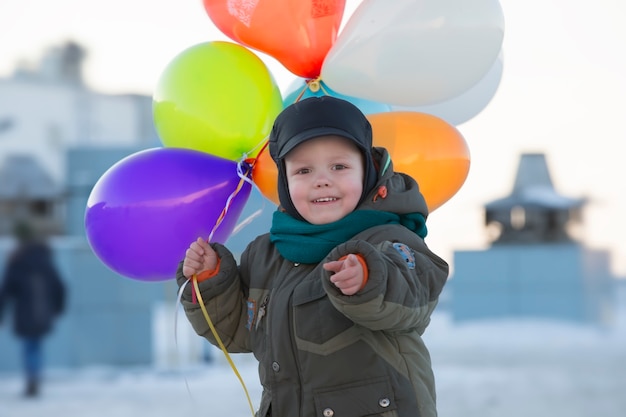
(322, 353)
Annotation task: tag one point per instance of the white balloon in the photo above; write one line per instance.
(467, 105)
(414, 52)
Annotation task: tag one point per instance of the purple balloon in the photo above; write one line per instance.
(145, 210)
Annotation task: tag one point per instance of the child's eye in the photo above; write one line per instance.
(303, 171)
(339, 167)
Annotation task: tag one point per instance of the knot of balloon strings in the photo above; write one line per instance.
(243, 170)
(314, 85)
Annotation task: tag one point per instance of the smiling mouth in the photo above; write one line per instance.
(325, 200)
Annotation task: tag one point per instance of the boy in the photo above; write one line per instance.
(334, 300)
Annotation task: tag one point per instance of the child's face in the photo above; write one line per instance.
(325, 178)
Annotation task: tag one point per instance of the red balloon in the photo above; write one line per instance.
(298, 33)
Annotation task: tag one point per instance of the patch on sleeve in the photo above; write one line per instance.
(407, 254)
(251, 313)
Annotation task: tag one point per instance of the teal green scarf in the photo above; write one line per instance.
(308, 243)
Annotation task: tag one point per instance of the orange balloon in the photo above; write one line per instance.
(425, 147)
(265, 176)
(298, 33)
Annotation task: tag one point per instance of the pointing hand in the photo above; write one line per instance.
(348, 274)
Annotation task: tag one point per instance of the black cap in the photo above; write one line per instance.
(314, 117)
(319, 116)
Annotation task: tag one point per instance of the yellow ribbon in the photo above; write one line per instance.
(219, 341)
(243, 178)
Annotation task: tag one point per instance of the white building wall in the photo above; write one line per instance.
(114, 120)
(46, 119)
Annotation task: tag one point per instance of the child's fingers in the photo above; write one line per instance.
(351, 261)
(190, 267)
(194, 257)
(198, 249)
(333, 266)
(203, 243)
(194, 254)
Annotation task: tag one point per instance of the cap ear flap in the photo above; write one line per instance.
(370, 175)
(273, 144)
(284, 197)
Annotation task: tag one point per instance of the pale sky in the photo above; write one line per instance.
(562, 93)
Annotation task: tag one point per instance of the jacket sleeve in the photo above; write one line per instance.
(58, 292)
(224, 299)
(2, 299)
(403, 287)
(6, 287)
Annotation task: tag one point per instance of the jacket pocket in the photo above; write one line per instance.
(371, 398)
(316, 319)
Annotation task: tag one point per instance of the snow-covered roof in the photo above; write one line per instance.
(533, 188)
(538, 197)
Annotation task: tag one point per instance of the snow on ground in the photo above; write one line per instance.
(528, 368)
(483, 369)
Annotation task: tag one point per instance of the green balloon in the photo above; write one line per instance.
(216, 97)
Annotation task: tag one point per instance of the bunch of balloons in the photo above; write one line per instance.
(416, 68)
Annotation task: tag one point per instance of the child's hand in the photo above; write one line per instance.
(348, 274)
(199, 257)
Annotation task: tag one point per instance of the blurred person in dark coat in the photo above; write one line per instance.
(32, 285)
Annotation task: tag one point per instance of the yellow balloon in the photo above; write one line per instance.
(216, 97)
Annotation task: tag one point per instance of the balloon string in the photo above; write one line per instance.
(247, 221)
(252, 162)
(244, 168)
(243, 172)
(178, 302)
(301, 93)
(219, 341)
(262, 144)
(243, 178)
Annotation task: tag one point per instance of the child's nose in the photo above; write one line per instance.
(322, 181)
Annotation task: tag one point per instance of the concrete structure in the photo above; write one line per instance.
(535, 266)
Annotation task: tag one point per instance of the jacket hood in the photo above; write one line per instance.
(394, 192)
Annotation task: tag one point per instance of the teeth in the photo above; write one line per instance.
(325, 199)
